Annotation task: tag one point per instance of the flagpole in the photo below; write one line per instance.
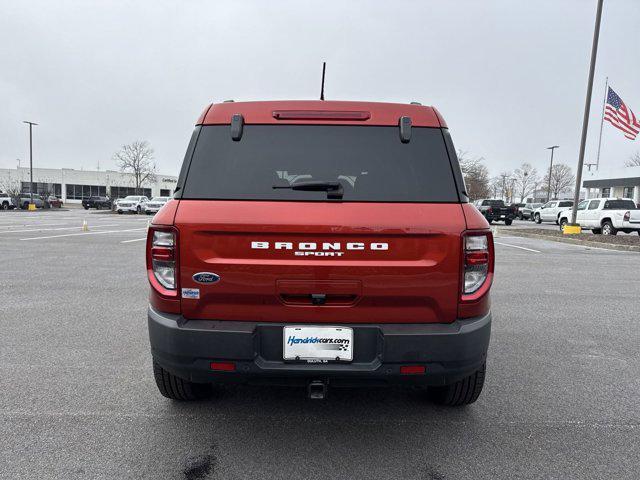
(604, 103)
(585, 121)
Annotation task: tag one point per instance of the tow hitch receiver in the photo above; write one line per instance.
(317, 390)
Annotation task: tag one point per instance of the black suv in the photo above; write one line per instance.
(96, 202)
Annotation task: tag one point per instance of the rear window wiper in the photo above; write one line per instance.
(333, 189)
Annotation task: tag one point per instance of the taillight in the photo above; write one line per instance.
(627, 216)
(478, 264)
(490, 210)
(162, 260)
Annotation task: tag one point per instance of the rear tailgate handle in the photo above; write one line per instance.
(318, 299)
(319, 292)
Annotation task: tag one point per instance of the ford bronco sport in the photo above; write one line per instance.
(320, 243)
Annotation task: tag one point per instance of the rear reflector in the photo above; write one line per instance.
(223, 366)
(412, 370)
(320, 115)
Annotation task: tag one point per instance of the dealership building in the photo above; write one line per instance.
(621, 182)
(73, 185)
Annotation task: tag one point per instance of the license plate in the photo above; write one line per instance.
(318, 343)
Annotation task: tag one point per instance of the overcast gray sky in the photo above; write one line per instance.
(509, 76)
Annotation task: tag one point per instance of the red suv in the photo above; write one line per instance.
(320, 243)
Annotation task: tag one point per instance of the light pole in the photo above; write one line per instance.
(585, 119)
(31, 124)
(524, 184)
(550, 168)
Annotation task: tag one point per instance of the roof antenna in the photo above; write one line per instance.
(324, 66)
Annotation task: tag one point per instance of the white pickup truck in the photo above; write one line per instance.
(605, 215)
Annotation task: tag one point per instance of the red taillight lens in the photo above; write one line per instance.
(162, 260)
(477, 261)
(320, 115)
(627, 216)
(489, 210)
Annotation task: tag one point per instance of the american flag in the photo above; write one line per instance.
(620, 116)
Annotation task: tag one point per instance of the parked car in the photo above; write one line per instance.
(25, 200)
(496, 211)
(7, 202)
(517, 207)
(320, 281)
(550, 211)
(132, 204)
(54, 202)
(605, 215)
(526, 212)
(97, 202)
(155, 204)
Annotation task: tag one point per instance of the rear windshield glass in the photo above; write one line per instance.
(566, 204)
(493, 203)
(619, 205)
(371, 164)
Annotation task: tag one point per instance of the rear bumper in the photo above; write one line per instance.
(496, 217)
(449, 352)
(127, 209)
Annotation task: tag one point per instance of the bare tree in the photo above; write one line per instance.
(634, 160)
(505, 184)
(526, 179)
(476, 175)
(561, 179)
(136, 159)
(13, 188)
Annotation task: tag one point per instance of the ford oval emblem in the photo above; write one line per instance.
(206, 277)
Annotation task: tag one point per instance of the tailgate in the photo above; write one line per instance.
(634, 217)
(317, 262)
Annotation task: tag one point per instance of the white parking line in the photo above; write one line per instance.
(83, 233)
(517, 246)
(28, 224)
(55, 229)
(134, 240)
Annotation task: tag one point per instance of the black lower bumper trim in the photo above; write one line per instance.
(448, 351)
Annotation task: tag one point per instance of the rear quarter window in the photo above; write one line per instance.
(371, 163)
(619, 205)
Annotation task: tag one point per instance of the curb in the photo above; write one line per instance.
(576, 241)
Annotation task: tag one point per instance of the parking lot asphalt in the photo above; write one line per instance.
(78, 399)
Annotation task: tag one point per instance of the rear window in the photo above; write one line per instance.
(493, 203)
(566, 204)
(371, 163)
(619, 205)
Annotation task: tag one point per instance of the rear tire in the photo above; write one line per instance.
(538, 220)
(563, 222)
(176, 388)
(5, 206)
(608, 228)
(596, 231)
(463, 392)
(508, 222)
